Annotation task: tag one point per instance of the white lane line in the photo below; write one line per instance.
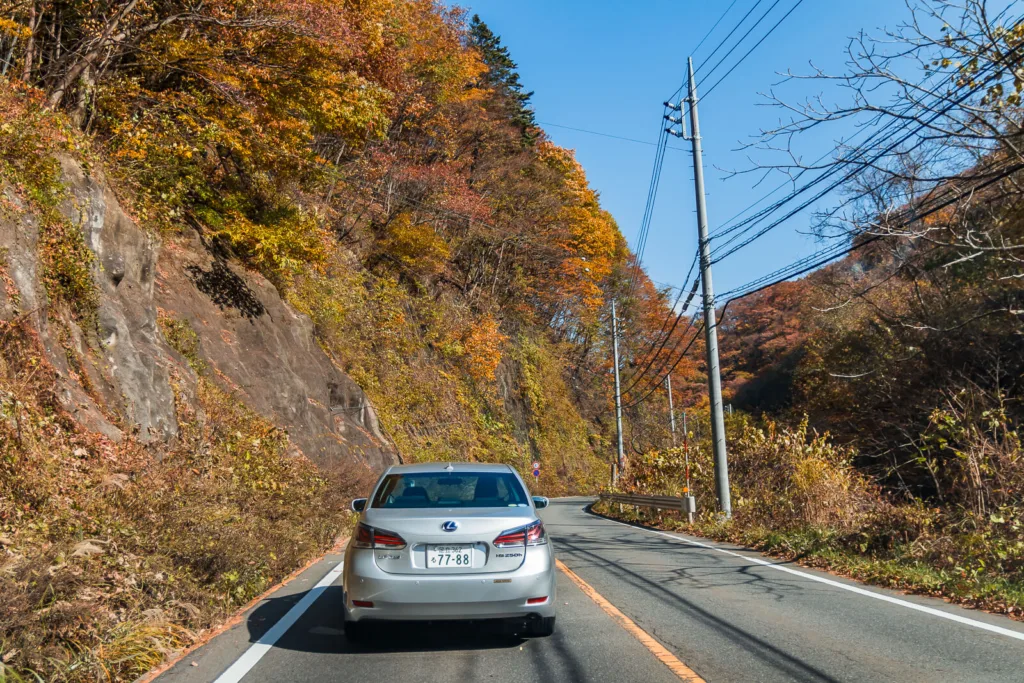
(255, 653)
(846, 587)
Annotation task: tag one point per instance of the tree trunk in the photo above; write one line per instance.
(30, 48)
(87, 84)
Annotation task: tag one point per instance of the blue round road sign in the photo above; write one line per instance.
(536, 473)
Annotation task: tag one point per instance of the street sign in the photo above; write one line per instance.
(536, 473)
(536, 465)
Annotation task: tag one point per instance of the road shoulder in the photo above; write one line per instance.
(225, 645)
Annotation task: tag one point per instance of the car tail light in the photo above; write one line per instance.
(362, 603)
(537, 601)
(531, 534)
(369, 537)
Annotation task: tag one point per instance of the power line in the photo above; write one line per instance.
(657, 385)
(819, 259)
(706, 36)
(756, 45)
(652, 355)
(726, 39)
(738, 42)
(607, 135)
(807, 264)
(828, 254)
(835, 168)
(725, 229)
(645, 222)
(711, 30)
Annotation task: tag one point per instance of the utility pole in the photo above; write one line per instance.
(671, 409)
(621, 460)
(710, 323)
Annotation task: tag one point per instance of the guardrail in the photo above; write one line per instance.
(677, 503)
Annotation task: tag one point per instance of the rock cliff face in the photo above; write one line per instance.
(117, 377)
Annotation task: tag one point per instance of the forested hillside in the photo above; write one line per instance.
(252, 253)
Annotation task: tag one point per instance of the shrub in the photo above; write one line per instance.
(790, 477)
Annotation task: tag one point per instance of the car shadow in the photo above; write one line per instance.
(321, 630)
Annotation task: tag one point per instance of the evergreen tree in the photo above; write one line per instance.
(503, 78)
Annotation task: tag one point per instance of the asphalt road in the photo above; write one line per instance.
(726, 616)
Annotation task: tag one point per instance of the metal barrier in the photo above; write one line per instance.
(679, 504)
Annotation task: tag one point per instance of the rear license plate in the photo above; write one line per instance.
(445, 556)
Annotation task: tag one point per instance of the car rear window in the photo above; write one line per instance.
(444, 490)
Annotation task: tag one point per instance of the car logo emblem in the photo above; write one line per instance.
(450, 526)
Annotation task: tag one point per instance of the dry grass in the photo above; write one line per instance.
(114, 555)
(796, 495)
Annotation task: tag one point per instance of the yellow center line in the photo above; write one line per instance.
(684, 672)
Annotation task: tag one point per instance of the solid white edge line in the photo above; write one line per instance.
(853, 589)
(255, 653)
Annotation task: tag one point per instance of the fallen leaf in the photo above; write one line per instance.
(117, 481)
(86, 549)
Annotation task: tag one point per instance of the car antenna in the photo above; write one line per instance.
(450, 468)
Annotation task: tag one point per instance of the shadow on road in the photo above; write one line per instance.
(321, 630)
(622, 556)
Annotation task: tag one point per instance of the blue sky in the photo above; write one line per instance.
(608, 66)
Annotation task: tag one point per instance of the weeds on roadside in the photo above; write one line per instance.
(796, 495)
(113, 555)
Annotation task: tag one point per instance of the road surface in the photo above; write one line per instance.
(725, 613)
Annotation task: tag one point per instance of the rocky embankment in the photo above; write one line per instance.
(123, 374)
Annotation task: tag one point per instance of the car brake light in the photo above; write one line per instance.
(531, 534)
(369, 537)
(362, 603)
(537, 601)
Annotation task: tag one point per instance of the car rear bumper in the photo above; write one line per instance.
(419, 597)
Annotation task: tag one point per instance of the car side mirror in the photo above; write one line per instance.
(540, 502)
(359, 504)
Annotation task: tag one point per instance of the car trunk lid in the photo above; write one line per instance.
(467, 549)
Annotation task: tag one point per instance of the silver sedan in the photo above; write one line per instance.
(449, 542)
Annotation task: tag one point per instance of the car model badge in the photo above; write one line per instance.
(450, 526)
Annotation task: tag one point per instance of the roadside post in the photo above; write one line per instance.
(689, 502)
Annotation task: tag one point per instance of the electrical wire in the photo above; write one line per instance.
(717, 254)
(607, 135)
(756, 45)
(706, 36)
(711, 30)
(740, 41)
(645, 222)
(650, 357)
(828, 254)
(726, 229)
(821, 258)
(675, 305)
(727, 37)
(657, 385)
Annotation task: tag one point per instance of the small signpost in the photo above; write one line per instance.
(536, 470)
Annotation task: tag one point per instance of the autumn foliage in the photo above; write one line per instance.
(378, 162)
